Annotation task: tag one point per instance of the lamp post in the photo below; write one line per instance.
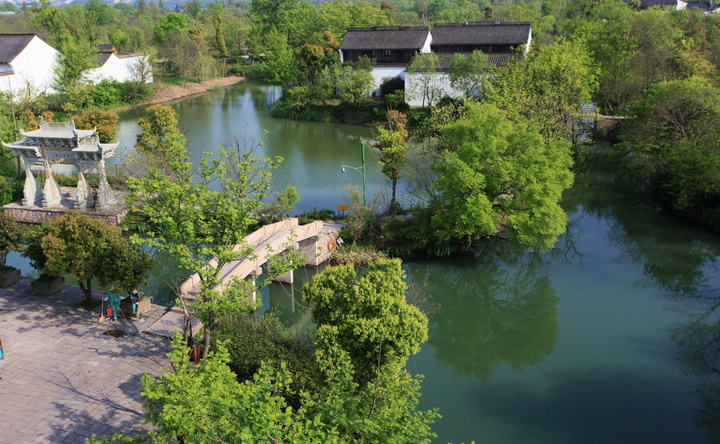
(360, 170)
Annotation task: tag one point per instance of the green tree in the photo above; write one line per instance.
(494, 174)
(216, 14)
(170, 27)
(365, 333)
(205, 403)
(673, 136)
(88, 248)
(354, 85)
(76, 57)
(201, 218)
(159, 139)
(12, 238)
(423, 80)
(468, 72)
(547, 88)
(392, 141)
(603, 28)
(104, 121)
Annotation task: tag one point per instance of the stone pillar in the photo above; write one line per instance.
(312, 250)
(83, 195)
(288, 277)
(32, 194)
(51, 190)
(105, 198)
(250, 279)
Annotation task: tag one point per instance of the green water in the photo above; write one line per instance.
(589, 343)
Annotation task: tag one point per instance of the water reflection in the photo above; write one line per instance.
(698, 355)
(501, 309)
(676, 259)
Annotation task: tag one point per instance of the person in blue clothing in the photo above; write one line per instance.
(134, 300)
(114, 302)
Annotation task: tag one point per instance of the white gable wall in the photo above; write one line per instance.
(115, 68)
(440, 83)
(34, 65)
(381, 73)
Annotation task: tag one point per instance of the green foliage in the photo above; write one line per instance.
(77, 57)
(10, 190)
(12, 237)
(201, 215)
(365, 333)
(363, 322)
(206, 403)
(423, 68)
(104, 121)
(467, 73)
(493, 173)
(170, 26)
(547, 88)
(284, 202)
(392, 141)
(85, 248)
(253, 341)
(673, 137)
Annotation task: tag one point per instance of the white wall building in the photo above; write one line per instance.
(393, 47)
(120, 68)
(26, 60)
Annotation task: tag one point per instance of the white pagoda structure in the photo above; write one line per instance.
(61, 143)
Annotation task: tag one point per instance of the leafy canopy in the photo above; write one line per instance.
(493, 173)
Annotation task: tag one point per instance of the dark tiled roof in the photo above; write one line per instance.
(480, 33)
(705, 6)
(386, 37)
(644, 4)
(103, 57)
(105, 47)
(497, 59)
(13, 44)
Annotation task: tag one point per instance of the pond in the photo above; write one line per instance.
(608, 338)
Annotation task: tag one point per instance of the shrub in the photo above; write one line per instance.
(253, 341)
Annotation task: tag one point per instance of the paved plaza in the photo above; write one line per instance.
(63, 377)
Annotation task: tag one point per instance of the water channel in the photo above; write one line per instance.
(609, 338)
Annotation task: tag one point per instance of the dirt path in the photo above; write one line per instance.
(172, 93)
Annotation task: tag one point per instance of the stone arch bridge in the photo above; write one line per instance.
(312, 240)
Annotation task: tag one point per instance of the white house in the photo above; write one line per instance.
(26, 60)
(120, 68)
(392, 47)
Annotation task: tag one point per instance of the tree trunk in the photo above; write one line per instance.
(87, 290)
(393, 202)
(206, 344)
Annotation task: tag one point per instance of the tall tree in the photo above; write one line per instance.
(393, 143)
(468, 72)
(547, 89)
(493, 174)
(673, 136)
(423, 80)
(201, 218)
(365, 333)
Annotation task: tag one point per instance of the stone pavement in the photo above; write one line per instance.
(63, 377)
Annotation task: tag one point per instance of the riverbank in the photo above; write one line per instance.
(172, 93)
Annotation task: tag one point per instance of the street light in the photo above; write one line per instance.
(360, 170)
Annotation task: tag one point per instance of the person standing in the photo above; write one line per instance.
(114, 302)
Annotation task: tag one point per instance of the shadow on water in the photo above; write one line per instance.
(501, 310)
(581, 407)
